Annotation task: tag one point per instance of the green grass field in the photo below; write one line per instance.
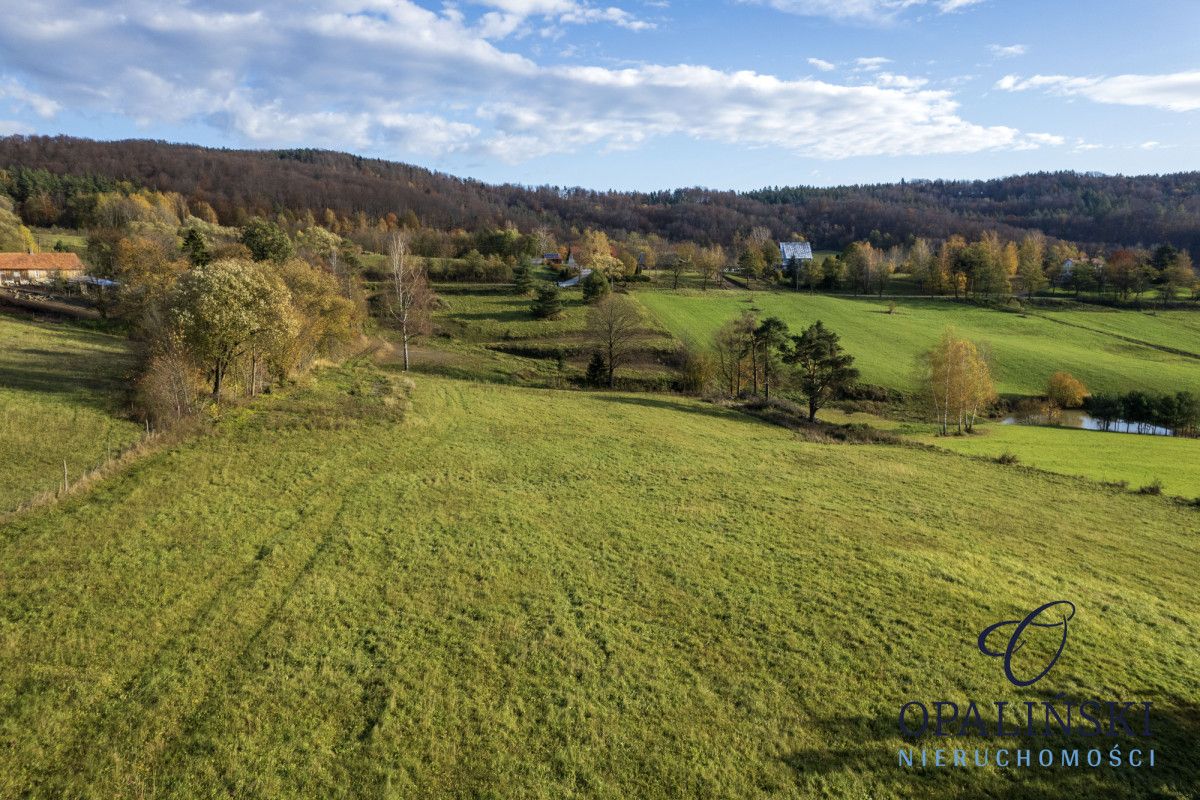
(528, 593)
(1026, 349)
(73, 240)
(1104, 456)
(61, 398)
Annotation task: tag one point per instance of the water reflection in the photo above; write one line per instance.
(1084, 421)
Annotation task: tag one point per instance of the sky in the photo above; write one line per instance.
(639, 94)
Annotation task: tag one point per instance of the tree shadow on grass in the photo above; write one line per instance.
(674, 404)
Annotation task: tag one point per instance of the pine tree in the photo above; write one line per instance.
(547, 304)
(523, 278)
(597, 371)
(195, 248)
(595, 286)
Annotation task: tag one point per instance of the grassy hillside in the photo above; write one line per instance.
(61, 398)
(1094, 346)
(529, 593)
(1103, 456)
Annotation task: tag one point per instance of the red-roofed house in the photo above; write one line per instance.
(38, 267)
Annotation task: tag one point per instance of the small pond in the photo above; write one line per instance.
(1080, 419)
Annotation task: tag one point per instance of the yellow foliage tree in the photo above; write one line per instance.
(1066, 391)
(958, 382)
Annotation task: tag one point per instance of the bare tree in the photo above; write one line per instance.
(410, 298)
(615, 327)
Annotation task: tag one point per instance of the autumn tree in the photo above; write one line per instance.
(1031, 275)
(14, 237)
(409, 298)
(1064, 390)
(327, 319)
(822, 367)
(731, 346)
(921, 264)
(1121, 271)
(957, 382)
(614, 325)
(147, 268)
(859, 259)
(594, 251)
(683, 262)
(229, 309)
(710, 261)
(1176, 275)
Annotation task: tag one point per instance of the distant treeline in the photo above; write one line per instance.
(45, 174)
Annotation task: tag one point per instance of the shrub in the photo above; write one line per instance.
(1007, 458)
(1153, 488)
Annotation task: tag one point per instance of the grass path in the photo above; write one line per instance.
(544, 594)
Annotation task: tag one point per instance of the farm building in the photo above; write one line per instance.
(18, 268)
(795, 251)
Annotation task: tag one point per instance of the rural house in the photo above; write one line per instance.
(795, 251)
(18, 268)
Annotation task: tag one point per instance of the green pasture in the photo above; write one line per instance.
(1137, 459)
(62, 398)
(512, 592)
(1026, 348)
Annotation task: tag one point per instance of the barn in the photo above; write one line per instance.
(23, 268)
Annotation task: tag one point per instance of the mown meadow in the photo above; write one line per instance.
(493, 591)
(61, 399)
(1110, 351)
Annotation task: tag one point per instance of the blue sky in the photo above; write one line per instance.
(631, 94)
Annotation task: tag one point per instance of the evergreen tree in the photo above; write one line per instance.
(195, 248)
(523, 278)
(597, 371)
(823, 368)
(547, 304)
(595, 286)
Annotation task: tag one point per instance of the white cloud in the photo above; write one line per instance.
(510, 16)
(1007, 50)
(42, 106)
(822, 64)
(949, 6)
(872, 63)
(875, 11)
(1151, 145)
(1179, 91)
(393, 78)
(899, 81)
(9, 127)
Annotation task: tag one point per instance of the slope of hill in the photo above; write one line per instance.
(532, 593)
(61, 396)
(1084, 208)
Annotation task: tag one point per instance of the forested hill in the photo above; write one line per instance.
(1090, 209)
